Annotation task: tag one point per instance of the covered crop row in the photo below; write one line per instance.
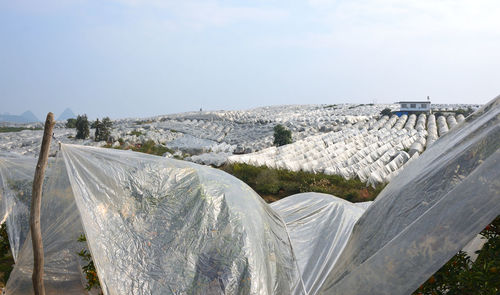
(373, 150)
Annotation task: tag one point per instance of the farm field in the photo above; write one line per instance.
(350, 140)
(149, 209)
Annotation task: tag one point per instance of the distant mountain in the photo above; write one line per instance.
(67, 114)
(26, 117)
(29, 117)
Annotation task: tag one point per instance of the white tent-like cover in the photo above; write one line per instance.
(162, 226)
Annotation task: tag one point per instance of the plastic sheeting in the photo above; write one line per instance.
(319, 226)
(61, 227)
(157, 225)
(16, 181)
(427, 213)
(163, 226)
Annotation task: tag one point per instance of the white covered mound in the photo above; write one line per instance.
(162, 226)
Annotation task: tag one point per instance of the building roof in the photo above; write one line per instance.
(423, 101)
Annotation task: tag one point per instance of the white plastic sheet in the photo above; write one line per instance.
(16, 181)
(319, 226)
(430, 211)
(163, 226)
(61, 228)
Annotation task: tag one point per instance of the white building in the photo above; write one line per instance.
(414, 106)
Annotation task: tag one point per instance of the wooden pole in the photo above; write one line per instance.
(36, 201)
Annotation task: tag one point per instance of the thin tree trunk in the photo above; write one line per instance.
(36, 201)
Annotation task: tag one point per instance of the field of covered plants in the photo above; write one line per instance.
(132, 215)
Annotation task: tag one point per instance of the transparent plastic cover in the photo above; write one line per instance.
(162, 226)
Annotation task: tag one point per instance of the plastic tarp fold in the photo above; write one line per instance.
(16, 181)
(61, 227)
(163, 226)
(319, 226)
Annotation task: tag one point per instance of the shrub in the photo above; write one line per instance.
(466, 112)
(267, 182)
(71, 123)
(82, 127)
(282, 183)
(282, 135)
(462, 276)
(150, 147)
(386, 112)
(4, 240)
(89, 269)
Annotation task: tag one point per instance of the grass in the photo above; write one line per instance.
(274, 184)
(16, 129)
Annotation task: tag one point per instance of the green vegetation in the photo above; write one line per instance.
(89, 269)
(274, 184)
(71, 123)
(4, 240)
(462, 276)
(386, 112)
(466, 112)
(143, 122)
(6, 260)
(103, 129)
(82, 127)
(147, 147)
(150, 147)
(282, 135)
(136, 133)
(16, 129)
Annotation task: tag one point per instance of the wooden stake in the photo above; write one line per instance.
(36, 201)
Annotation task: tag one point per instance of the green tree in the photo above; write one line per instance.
(82, 127)
(71, 123)
(103, 129)
(282, 135)
(386, 112)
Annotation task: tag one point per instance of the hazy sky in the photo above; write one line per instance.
(128, 58)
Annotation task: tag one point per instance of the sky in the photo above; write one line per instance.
(132, 58)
